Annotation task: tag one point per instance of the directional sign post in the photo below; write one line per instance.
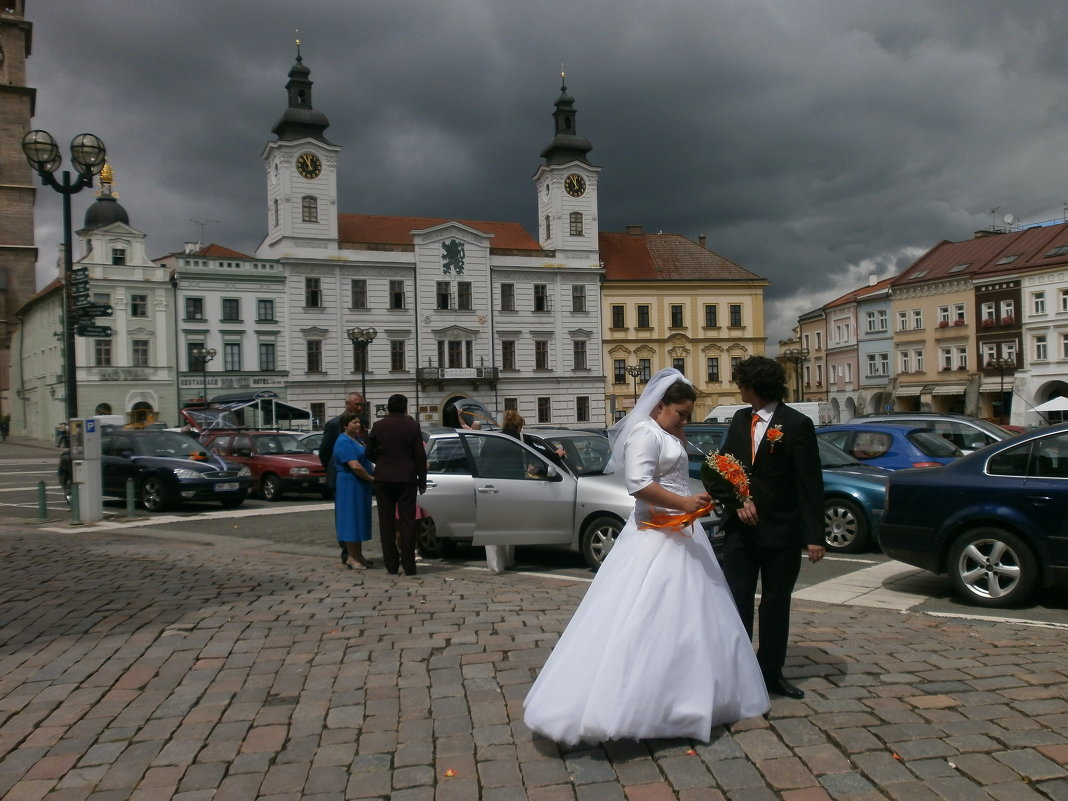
(93, 330)
(82, 299)
(79, 287)
(79, 274)
(96, 310)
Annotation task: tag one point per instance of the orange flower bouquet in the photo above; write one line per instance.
(725, 479)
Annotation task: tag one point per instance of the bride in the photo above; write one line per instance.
(656, 648)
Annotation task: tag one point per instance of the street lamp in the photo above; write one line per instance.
(87, 155)
(797, 357)
(361, 338)
(1001, 364)
(203, 355)
(634, 371)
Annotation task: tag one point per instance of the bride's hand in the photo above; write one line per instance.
(691, 503)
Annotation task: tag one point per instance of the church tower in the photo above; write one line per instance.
(301, 176)
(567, 185)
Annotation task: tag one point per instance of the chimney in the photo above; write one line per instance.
(701, 240)
(634, 230)
(191, 247)
(873, 279)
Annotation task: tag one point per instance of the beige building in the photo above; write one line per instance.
(668, 301)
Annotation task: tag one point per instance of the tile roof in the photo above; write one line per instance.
(371, 229)
(856, 294)
(214, 251)
(672, 257)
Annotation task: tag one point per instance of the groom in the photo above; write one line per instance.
(777, 446)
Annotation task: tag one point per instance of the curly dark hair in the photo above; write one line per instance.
(678, 392)
(766, 377)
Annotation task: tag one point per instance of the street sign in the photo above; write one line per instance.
(79, 286)
(95, 310)
(92, 330)
(79, 274)
(83, 299)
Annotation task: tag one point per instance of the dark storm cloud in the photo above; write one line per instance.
(814, 143)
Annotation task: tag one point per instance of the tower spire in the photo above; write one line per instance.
(300, 120)
(567, 145)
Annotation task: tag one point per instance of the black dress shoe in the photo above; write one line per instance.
(783, 687)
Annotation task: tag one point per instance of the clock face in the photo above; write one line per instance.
(575, 185)
(308, 165)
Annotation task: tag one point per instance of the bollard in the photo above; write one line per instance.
(75, 505)
(42, 501)
(129, 498)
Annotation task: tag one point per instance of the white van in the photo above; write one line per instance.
(820, 412)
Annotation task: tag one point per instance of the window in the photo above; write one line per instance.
(463, 295)
(902, 321)
(231, 356)
(943, 314)
(139, 353)
(1008, 350)
(676, 316)
(396, 355)
(819, 375)
(619, 319)
(314, 349)
(876, 321)
(276, 212)
(192, 357)
(139, 305)
(102, 352)
(680, 365)
(582, 409)
(578, 348)
(878, 364)
(267, 356)
(644, 364)
(917, 356)
(1008, 309)
(548, 228)
(1041, 352)
(541, 297)
(734, 364)
(711, 315)
(643, 316)
(194, 308)
(313, 293)
(507, 354)
(265, 311)
(1064, 300)
(819, 340)
(511, 403)
(231, 310)
(735, 311)
(917, 319)
(962, 357)
(712, 367)
(541, 354)
(578, 297)
(443, 295)
(1064, 346)
(309, 209)
(947, 358)
(990, 352)
(318, 412)
(358, 293)
(396, 294)
(958, 312)
(545, 410)
(118, 255)
(619, 371)
(576, 223)
(507, 297)
(906, 361)
(989, 312)
(1038, 303)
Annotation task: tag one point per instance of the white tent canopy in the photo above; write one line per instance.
(1058, 404)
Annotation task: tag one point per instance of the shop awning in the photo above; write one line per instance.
(949, 389)
(905, 392)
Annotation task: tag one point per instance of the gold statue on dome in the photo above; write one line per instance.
(107, 177)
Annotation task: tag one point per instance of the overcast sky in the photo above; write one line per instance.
(814, 142)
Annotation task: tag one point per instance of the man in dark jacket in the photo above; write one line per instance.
(331, 431)
(396, 447)
(764, 539)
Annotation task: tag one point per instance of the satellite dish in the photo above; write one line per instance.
(1009, 219)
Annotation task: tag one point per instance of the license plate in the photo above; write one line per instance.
(226, 487)
(322, 479)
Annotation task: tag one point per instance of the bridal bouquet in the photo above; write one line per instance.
(725, 479)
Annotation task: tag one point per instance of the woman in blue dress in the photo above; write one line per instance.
(352, 498)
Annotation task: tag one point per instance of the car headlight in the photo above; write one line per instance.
(244, 471)
(299, 471)
(186, 475)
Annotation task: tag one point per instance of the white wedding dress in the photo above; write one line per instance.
(656, 648)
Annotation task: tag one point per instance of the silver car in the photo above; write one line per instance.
(487, 488)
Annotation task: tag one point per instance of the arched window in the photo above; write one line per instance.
(103, 408)
(576, 223)
(309, 209)
(276, 212)
(142, 413)
(548, 230)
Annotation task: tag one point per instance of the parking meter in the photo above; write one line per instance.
(85, 467)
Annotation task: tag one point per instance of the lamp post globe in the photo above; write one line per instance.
(634, 370)
(361, 338)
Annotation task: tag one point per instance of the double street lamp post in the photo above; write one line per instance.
(203, 355)
(797, 357)
(87, 156)
(634, 370)
(1001, 364)
(361, 338)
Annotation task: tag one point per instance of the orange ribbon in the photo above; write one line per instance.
(674, 521)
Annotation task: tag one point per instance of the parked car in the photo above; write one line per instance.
(967, 433)
(994, 520)
(706, 437)
(894, 447)
(854, 494)
(279, 462)
(167, 468)
(487, 488)
(312, 442)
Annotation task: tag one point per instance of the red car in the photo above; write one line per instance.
(279, 462)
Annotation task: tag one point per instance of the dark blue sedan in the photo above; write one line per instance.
(995, 520)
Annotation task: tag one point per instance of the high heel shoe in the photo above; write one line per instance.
(353, 564)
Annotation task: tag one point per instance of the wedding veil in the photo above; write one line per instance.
(643, 409)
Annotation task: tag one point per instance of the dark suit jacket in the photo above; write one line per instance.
(396, 447)
(786, 482)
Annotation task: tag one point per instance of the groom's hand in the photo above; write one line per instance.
(748, 513)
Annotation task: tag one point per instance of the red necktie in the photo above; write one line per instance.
(752, 434)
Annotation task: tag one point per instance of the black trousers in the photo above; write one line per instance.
(396, 524)
(777, 569)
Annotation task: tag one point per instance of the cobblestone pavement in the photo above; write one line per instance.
(157, 665)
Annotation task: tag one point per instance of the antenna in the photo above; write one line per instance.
(1009, 219)
(993, 222)
(202, 222)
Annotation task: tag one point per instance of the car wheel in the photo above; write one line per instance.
(427, 540)
(231, 503)
(598, 538)
(845, 529)
(992, 567)
(271, 487)
(154, 495)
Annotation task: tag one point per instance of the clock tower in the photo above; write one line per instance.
(567, 186)
(301, 176)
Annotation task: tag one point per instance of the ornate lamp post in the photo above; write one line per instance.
(797, 357)
(87, 155)
(634, 371)
(203, 355)
(361, 338)
(1001, 364)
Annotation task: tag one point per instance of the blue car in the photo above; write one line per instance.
(894, 447)
(994, 520)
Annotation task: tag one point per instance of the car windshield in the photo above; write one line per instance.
(280, 443)
(166, 443)
(833, 456)
(586, 454)
(933, 444)
(211, 418)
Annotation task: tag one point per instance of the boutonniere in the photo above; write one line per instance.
(774, 434)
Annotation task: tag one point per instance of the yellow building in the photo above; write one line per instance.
(668, 301)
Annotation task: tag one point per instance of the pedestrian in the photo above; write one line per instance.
(784, 515)
(354, 403)
(656, 648)
(5, 428)
(395, 445)
(352, 496)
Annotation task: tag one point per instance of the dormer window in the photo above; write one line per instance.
(118, 255)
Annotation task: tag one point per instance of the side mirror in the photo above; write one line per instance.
(552, 474)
